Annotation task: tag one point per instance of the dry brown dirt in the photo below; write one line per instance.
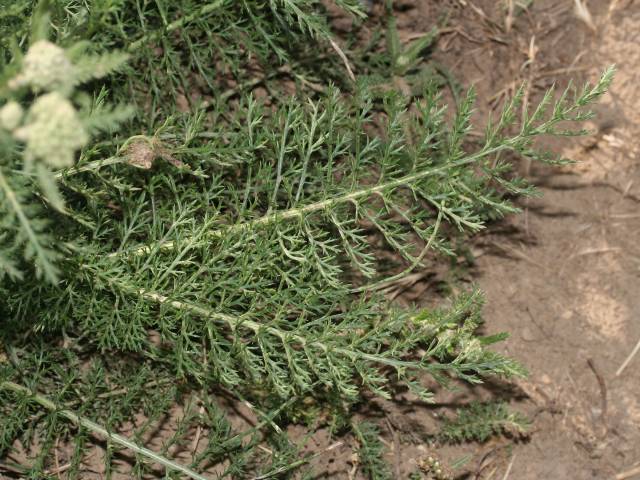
(567, 286)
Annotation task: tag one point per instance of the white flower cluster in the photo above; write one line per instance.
(45, 67)
(468, 349)
(52, 131)
(11, 115)
(471, 350)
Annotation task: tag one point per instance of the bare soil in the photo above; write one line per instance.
(566, 284)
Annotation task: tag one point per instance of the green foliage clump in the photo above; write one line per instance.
(481, 420)
(42, 133)
(202, 248)
(371, 452)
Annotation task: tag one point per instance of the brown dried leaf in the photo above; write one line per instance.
(141, 154)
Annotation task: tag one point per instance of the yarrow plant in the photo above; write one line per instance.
(43, 125)
(227, 249)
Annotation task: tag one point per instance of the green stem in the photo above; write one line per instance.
(90, 166)
(119, 157)
(325, 204)
(416, 262)
(98, 429)
(234, 322)
(12, 199)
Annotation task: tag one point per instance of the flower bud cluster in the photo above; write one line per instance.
(433, 466)
(51, 129)
(45, 67)
(11, 115)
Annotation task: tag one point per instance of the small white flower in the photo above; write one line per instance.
(52, 131)
(471, 350)
(45, 67)
(446, 338)
(11, 115)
